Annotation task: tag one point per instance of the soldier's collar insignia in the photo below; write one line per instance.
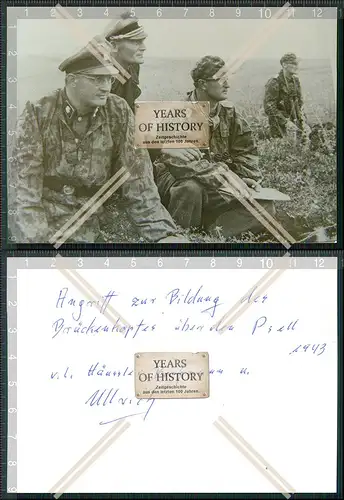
(68, 109)
(226, 104)
(192, 96)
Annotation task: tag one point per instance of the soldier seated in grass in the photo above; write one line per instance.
(188, 181)
(68, 145)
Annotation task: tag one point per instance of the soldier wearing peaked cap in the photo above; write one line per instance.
(127, 38)
(68, 145)
(283, 102)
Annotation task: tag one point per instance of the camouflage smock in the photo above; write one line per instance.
(231, 145)
(283, 99)
(46, 145)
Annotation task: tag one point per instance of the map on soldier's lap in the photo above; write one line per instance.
(264, 194)
(269, 194)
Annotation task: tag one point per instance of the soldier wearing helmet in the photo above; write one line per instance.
(283, 102)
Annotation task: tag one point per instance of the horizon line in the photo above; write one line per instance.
(184, 58)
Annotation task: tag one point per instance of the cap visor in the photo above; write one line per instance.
(142, 36)
(101, 70)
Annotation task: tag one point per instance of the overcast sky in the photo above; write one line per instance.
(189, 38)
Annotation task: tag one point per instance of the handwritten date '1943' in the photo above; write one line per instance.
(313, 350)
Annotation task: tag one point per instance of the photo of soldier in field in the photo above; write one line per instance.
(68, 145)
(191, 189)
(283, 102)
(274, 133)
(127, 38)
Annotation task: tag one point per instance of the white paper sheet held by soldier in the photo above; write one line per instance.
(77, 174)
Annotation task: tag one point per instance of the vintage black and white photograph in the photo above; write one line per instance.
(267, 175)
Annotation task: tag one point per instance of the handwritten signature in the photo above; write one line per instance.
(110, 396)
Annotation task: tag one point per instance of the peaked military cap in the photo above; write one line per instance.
(94, 59)
(127, 28)
(289, 58)
(207, 67)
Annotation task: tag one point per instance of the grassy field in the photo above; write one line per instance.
(309, 177)
(170, 80)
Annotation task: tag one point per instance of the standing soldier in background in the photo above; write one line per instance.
(127, 38)
(283, 101)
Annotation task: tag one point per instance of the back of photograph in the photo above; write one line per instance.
(265, 171)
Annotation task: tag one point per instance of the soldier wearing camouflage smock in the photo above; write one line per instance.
(69, 144)
(189, 186)
(283, 101)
